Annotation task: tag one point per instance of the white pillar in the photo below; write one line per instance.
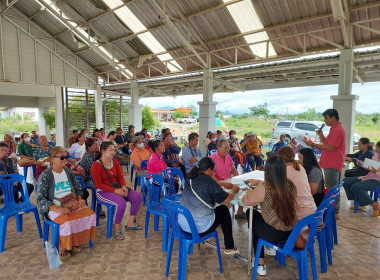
(59, 130)
(207, 109)
(134, 108)
(345, 102)
(42, 127)
(98, 108)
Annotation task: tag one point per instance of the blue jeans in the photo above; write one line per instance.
(355, 188)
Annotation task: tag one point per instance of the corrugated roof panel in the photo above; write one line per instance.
(92, 58)
(111, 27)
(86, 8)
(49, 23)
(133, 48)
(28, 7)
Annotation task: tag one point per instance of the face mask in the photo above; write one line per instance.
(27, 139)
(213, 139)
(141, 145)
(233, 136)
(86, 135)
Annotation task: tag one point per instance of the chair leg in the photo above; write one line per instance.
(301, 267)
(321, 236)
(312, 262)
(110, 210)
(93, 199)
(182, 259)
(19, 222)
(90, 244)
(257, 257)
(356, 206)
(218, 252)
(55, 235)
(38, 222)
(169, 254)
(165, 233)
(156, 222)
(98, 207)
(335, 231)
(147, 217)
(3, 232)
(46, 232)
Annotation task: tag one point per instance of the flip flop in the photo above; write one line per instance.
(64, 254)
(77, 249)
(135, 227)
(118, 235)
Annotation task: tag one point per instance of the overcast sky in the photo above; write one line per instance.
(295, 100)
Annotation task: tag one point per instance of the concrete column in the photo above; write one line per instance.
(207, 109)
(42, 127)
(59, 127)
(98, 107)
(134, 108)
(345, 102)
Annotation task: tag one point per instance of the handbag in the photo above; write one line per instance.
(114, 185)
(69, 201)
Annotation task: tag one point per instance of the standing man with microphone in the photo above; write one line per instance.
(333, 151)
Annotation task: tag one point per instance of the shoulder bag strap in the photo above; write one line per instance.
(108, 176)
(200, 199)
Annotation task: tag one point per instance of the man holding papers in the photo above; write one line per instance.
(333, 151)
(358, 187)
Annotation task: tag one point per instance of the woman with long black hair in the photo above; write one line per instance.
(200, 195)
(277, 199)
(307, 159)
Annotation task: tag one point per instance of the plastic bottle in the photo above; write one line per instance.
(53, 258)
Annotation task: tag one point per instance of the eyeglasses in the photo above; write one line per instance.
(63, 157)
(111, 150)
(226, 148)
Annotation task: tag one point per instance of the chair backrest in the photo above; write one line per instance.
(169, 174)
(80, 180)
(333, 191)
(311, 221)
(212, 152)
(174, 209)
(327, 204)
(152, 191)
(144, 164)
(7, 182)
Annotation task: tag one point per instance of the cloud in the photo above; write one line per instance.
(291, 100)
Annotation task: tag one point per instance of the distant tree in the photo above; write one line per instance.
(178, 114)
(194, 111)
(148, 120)
(50, 118)
(375, 118)
(259, 110)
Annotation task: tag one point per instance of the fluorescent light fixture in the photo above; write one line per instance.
(135, 25)
(247, 20)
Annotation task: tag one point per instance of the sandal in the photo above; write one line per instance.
(77, 249)
(119, 235)
(135, 227)
(64, 254)
(376, 213)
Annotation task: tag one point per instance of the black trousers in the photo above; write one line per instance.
(223, 218)
(251, 159)
(354, 172)
(261, 229)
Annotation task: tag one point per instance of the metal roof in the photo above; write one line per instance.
(200, 33)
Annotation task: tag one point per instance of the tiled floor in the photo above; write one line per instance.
(357, 255)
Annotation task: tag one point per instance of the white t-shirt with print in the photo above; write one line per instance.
(62, 184)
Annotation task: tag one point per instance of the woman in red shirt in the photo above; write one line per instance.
(116, 192)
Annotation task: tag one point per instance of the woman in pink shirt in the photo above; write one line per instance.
(297, 174)
(358, 187)
(156, 163)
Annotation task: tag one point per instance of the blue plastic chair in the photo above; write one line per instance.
(334, 191)
(93, 192)
(11, 208)
(51, 144)
(186, 240)
(152, 193)
(374, 194)
(54, 233)
(325, 235)
(26, 168)
(210, 152)
(312, 221)
(143, 166)
(169, 174)
(110, 212)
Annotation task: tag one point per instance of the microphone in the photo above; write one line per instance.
(320, 129)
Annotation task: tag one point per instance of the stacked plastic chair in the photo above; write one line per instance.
(11, 208)
(169, 174)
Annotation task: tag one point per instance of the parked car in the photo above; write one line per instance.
(186, 120)
(293, 129)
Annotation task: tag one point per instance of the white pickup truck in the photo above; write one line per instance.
(293, 129)
(186, 120)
